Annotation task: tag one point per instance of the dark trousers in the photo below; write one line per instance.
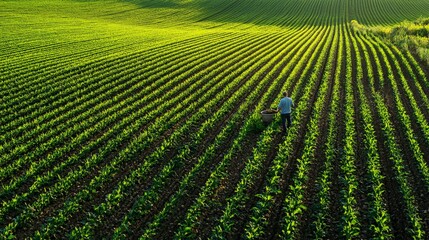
(286, 117)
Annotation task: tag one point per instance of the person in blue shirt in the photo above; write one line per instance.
(285, 108)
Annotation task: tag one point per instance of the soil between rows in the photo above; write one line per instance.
(363, 191)
(136, 193)
(307, 219)
(49, 151)
(414, 179)
(275, 215)
(109, 227)
(393, 196)
(171, 224)
(211, 215)
(83, 182)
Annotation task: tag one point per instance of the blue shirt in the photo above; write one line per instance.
(285, 105)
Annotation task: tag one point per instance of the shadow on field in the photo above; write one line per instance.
(285, 12)
(155, 3)
(256, 12)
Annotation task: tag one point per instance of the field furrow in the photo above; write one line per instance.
(142, 119)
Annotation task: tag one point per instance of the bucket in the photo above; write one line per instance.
(267, 115)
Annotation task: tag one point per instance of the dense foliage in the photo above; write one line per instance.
(411, 36)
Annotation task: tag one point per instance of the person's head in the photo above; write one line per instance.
(285, 94)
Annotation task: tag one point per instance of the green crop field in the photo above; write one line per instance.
(140, 119)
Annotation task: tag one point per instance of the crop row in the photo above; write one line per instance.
(405, 117)
(190, 107)
(401, 171)
(380, 218)
(173, 92)
(165, 141)
(60, 94)
(324, 197)
(206, 198)
(256, 226)
(138, 101)
(293, 204)
(143, 206)
(55, 136)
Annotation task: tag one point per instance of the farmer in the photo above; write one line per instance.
(285, 108)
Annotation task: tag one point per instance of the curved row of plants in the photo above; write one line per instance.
(256, 227)
(167, 141)
(77, 81)
(159, 125)
(135, 102)
(57, 136)
(254, 164)
(225, 80)
(143, 207)
(400, 169)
